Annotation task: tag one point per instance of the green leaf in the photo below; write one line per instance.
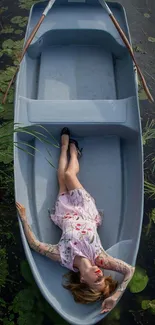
(27, 4)
(1, 108)
(149, 304)
(6, 111)
(6, 143)
(52, 314)
(30, 318)
(26, 272)
(18, 31)
(138, 49)
(6, 321)
(8, 29)
(145, 304)
(24, 301)
(19, 20)
(2, 303)
(16, 19)
(3, 267)
(142, 95)
(152, 215)
(151, 39)
(3, 9)
(115, 314)
(146, 15)
(8, 44)
(139, 280)
(11, 316)
(152, 307)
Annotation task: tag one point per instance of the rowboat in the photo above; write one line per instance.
(78, 73)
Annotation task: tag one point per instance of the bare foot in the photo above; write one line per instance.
(73, 150)
(65, 141)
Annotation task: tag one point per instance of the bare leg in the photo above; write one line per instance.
(71, 179)
(63, 163)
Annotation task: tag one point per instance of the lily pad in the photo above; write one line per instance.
(146, 15)
(7, 30)
(18, 31)
(12, 48)
(151, 39)
(149, 304)
(19, 20)
(27, 4)
(142, 95)
(8, 44)
(139, 280)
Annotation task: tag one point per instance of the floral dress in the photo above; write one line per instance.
(76, 214)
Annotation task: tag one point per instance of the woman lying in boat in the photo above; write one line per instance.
(79, 249)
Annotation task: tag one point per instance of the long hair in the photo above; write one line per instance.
(82, 293)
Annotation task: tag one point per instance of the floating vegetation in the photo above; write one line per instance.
(25, 305)
(28, 306)
(7, 30)
(149, 132)
(114, 316)
(18, 31)
(139, 281)
(153, 165)
(149, 189)
(146, 15)
(149, 305)
(151, 220)
(20, 21)
(141, 92)
(12, 49)
(3, 267)
(3, 9)
(138, 49)
(6, 143)
(151, 39)
(27, 4)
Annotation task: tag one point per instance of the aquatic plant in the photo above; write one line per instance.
(151, 221)
(139, 281)
(20, 21)
(149, 132)
(8, 29)
(114, 316)
(149, 189)
(27, 4)
(6, 143)
(3, 267)
(13, 50)
(149, 305)
(29, 306)
(3, 9)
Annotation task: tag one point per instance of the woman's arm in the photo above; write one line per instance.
(109, 263)
(51, 251)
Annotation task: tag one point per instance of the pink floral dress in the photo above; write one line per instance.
(76, 214)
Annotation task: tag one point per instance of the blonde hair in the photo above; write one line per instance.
(82, 293)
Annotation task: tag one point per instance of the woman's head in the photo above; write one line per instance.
(91, 289)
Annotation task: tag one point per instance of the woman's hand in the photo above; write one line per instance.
(108, 304)
(22, 211)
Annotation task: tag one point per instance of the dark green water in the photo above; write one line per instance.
(20, 301)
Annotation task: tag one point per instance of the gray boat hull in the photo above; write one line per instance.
(78, 73)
